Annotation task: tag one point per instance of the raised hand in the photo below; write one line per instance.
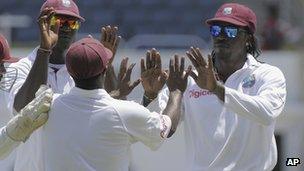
(205, 78)
(48, 36)
(177, 77)
(152, 76)
(123, 86)
(110, 39)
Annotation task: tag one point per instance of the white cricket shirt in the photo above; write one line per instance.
(60, 82)
(88, 130)
(237, 135)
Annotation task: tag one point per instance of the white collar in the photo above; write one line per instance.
(94, 94)
(32, 57)
(251, 62)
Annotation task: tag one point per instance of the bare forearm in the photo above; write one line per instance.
(173, 109)
(219, 91)
(37, 76)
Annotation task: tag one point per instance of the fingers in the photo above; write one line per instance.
(123, 68)
(148, 59)
(153, 59)
(192, 59)
(134, 84)
(187, 73)
(210, 63)
(142, 66)
(56, 27)
(176, 63)
(109, 34)
(199, 57)
(45, 18)
(171, 67)
(129, 72)
(193, 75)
(103, 34)
(40, 120)
(182, 65)
(158, 63)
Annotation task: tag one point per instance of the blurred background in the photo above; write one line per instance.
(172, 26)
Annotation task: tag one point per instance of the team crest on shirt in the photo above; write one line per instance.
(248, 82)
(66, 3)
(227, 11)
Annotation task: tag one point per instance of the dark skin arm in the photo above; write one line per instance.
(206, 76)
(39, 71)
(177, 84)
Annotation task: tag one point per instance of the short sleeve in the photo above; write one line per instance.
(150, 128)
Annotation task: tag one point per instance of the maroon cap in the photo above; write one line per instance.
(5, 51)
(87, 58)
(64, 7)
(235, 14)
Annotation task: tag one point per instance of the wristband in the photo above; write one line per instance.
(148, 98)
(45, 50)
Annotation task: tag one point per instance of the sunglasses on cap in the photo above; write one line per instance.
(72, 23)
(230, 31)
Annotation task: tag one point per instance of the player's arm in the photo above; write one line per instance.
(39, 72)
(177, 84)
(30, 118)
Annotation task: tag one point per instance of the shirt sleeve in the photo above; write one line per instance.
(150, 128)
(7, 145)
(266, 105)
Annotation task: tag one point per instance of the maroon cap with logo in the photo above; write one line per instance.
(235, 14)
(87, 58)
(64, 7)
(5, 51)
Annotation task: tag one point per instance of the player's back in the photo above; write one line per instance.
(84, 132)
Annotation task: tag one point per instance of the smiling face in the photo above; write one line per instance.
(230, 41)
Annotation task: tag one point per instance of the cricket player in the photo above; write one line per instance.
(232, 100)
(90, 130)
(31, 117)
(59, 20)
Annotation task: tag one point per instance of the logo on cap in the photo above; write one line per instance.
(227, 11)
(66, 3)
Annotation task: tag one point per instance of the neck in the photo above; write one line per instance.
(58, 56)
(91, 83)
(227, 66)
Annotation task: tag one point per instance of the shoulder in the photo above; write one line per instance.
(267, 71)
(127, 106)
